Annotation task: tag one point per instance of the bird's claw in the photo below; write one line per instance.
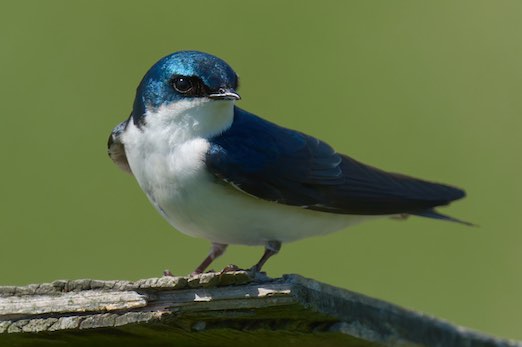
(229, 268)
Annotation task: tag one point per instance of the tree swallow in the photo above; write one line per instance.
(218, 172)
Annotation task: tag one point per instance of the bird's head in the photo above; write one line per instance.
(185, 76)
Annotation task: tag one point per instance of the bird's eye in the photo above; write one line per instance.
(182, 84)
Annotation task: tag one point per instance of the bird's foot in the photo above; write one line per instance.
(400, 216)
(230, 268)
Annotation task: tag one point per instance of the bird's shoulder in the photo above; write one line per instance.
(259, 147)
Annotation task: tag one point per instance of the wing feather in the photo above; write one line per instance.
(282, 165)
(116, 149)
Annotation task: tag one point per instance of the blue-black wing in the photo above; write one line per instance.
(116, 149)
(282, 165)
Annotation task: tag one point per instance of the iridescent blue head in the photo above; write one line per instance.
(184, 75)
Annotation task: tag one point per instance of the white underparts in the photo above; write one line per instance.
(166, 156)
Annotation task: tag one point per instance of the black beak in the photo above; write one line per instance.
(225, 94)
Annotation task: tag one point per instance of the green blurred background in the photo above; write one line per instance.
(431, 89)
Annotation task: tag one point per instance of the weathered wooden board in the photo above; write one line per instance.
(216, 310)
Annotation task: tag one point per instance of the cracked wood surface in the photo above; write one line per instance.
(216, 309)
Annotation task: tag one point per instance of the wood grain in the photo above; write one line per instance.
(215, 309)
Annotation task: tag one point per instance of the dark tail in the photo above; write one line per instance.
(436, 215)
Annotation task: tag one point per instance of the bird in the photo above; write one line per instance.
(218, 172)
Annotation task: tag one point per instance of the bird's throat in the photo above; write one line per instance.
(194, 118)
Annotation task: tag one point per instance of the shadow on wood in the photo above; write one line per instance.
(216, 310)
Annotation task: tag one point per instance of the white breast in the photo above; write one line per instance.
(167, 158)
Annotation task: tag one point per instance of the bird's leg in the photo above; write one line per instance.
(271, 248)
(216, 250)
(400, 216)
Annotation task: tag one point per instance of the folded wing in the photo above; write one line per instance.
(116, 149)
(285, 166)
